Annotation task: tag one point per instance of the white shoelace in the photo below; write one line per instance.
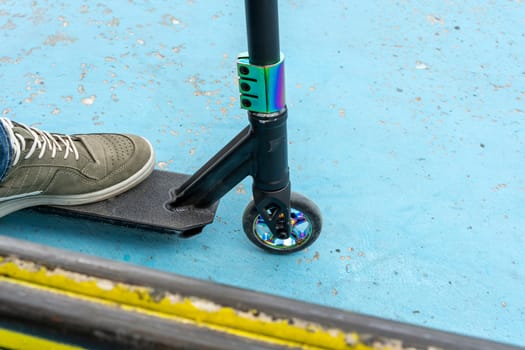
(42, 140)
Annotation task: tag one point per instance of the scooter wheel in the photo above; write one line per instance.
(305, 219)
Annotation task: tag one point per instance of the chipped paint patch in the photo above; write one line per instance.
(89, 100)
(240, 189)
(169, 20)
(189, 309)
(54, 39)
(177, 49)
(421, 66)
(9, 25)
(196, 82)
(435, 19)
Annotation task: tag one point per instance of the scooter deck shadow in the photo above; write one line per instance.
(144, 207)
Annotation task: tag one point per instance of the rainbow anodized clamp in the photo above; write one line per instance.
(261, 87)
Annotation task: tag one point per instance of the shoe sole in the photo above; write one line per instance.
(32, 200)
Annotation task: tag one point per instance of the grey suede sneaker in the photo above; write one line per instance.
(56, 169)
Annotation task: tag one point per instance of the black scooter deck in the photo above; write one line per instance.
(144, 207)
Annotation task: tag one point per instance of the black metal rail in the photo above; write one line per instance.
(41, 308)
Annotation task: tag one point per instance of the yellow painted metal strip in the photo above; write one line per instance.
(19, 341)
(174, 318)
(203, 313)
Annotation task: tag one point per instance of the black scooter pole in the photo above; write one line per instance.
(262, 23)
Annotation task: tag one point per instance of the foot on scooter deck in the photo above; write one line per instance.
(144, 207)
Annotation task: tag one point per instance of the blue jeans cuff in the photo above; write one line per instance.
(6, 153)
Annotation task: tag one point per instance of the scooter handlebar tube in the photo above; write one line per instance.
(262, 23)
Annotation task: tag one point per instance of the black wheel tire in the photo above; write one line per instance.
(298, 202)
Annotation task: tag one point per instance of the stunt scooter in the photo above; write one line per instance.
(277, 219)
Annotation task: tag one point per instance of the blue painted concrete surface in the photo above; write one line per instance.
(406, 127)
